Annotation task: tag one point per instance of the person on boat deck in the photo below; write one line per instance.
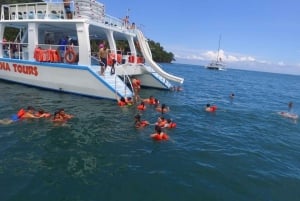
(132, 25)
(163, 108)
(62, 47)
(126, 21)
(210, 108)
(68, 11)
(140, 123)
(103, 53)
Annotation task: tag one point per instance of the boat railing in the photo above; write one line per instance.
(38, 10)
(56, 53)
(54, 9)
(14, 50)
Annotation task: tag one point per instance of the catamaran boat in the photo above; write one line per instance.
(33, 57)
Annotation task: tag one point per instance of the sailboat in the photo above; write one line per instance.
(218, 64)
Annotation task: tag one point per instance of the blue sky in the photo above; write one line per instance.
(256, 34)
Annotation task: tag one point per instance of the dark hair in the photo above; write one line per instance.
(41, 111)
(207, 105)
(157, 129)
(30, 108)
(122, 99)
(137, 116)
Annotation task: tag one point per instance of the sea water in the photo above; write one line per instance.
(243, 151)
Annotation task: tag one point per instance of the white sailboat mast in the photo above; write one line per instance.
(219, 48)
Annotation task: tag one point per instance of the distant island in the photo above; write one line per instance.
(159, 54)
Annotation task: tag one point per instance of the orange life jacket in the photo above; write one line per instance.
(161, 136)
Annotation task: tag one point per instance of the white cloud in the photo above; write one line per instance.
(211, 55)
(232, 60)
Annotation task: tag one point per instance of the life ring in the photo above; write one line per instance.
(70, 56)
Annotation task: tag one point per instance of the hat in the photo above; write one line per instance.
(101, 45)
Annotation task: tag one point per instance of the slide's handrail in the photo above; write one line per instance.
(148, 57)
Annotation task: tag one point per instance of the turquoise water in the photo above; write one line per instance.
(245, 151)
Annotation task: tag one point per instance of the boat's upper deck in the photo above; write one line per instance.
(56, 10)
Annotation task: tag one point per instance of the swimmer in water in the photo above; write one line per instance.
(64, 115)
(210, 108)
(290, 106)
(162, 109)
(159, 135)
(30, 113)
(140, 123)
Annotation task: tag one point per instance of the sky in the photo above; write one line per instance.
(260, 35)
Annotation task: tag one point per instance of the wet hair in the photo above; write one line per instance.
(41, 111)
(30, 108)
(122, 99)
(169, 120)
(55, 113)
(137, 116)
(157, 129)
(207, 105)
(61, 110)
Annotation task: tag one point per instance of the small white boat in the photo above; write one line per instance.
(218, 64)
(32, 58)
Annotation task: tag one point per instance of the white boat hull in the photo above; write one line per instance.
(60, 77)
